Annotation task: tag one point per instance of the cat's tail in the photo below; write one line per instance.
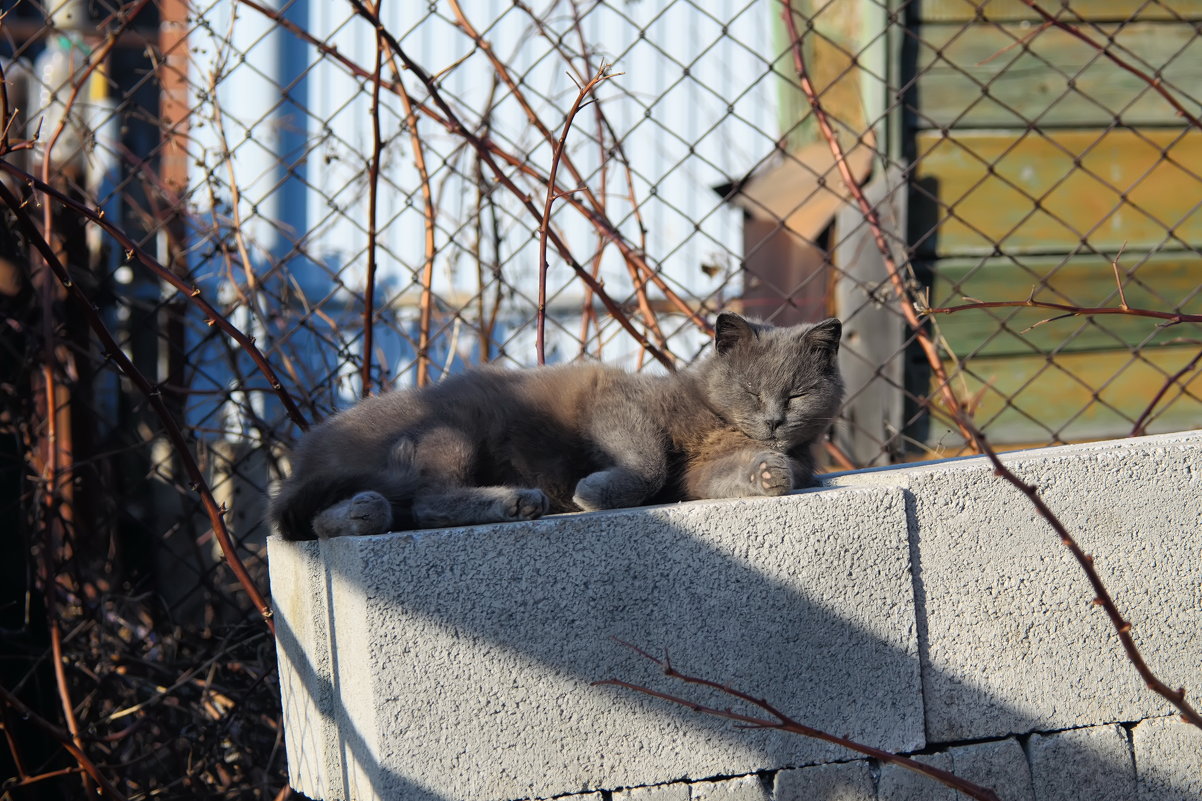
(301, 499)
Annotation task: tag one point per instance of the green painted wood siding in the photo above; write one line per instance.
(1078, 396)
(1015, 192)
(1163, 281)
(1035, 160)
(1013, 76)
(1094, 10)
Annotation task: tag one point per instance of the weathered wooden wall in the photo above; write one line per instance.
(1037, 161)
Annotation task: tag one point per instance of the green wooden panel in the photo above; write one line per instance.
(1032, 83)
(1095, 10)
(845, 38)
(1036, 399)
(1163, 282)
(1047, 192)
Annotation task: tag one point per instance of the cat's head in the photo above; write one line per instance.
(778, 385)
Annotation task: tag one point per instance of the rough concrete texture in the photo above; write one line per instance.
(302, 626)
(676, 791)
(900, 784)
(1009, 639)
(1168, 760)
(999, 765)
(447, 665)
(457, 664)
(839, 781)
(741, 788)
(1092, 764)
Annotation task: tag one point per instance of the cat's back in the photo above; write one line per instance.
(485, 402)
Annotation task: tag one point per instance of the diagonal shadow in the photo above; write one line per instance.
(459, 633)
(346, 737)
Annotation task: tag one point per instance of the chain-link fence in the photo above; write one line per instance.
(275, 207)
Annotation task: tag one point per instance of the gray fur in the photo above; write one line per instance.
(497, 445)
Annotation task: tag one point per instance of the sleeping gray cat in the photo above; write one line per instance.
(493, 445)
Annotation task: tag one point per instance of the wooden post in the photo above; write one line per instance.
(872, 357)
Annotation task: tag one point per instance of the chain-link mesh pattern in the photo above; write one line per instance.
(370, 208)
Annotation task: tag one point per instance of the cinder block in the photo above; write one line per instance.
(1092, 764)
(676, 791)
(1010, 640)
(1000, 766)
(900, 784)
(838, 781)
(740, 788)
(1168, 760)
(306, 684)
(458, 663)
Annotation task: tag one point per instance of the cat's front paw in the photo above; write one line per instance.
(771, 473)
(524, 504)
(363, 514)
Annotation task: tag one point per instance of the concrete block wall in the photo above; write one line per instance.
(924, 610)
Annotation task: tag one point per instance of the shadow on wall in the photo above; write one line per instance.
(348, 740)
(461, 661)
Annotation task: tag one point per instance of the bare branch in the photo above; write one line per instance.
(153, 396)
(64, 739)
(1155, 83)
(1170, 318)
(487, 152)
(1102, 596)
(192, 293)
(603, 74)
(1141, 422)
(779, 721)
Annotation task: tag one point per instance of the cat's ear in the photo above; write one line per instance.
(824, 337)
(730, 330)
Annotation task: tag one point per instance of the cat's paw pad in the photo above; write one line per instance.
(363, 514)
(525, 504)
(771, 473)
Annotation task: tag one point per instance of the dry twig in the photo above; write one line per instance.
(1170, 318)
(544, 228)
(152, 394)
(373, 187)
(1102, 596)
(779, 721)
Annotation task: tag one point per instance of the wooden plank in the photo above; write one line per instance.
(873, 355)
(965, 80)
(1068, 10)
(1161, 281)
(1048, 192)
(1051, 399)
(833, 38)
(784, 277)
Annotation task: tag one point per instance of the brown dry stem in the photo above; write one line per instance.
(779, 721)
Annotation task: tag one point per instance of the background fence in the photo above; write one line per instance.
(274, 208)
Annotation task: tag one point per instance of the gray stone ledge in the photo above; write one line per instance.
(457, 664)
(906, 607)
(1009, 640)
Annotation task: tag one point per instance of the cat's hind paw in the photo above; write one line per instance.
(363, 514)
(524, 504)
(771, 473)
(610, 489)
